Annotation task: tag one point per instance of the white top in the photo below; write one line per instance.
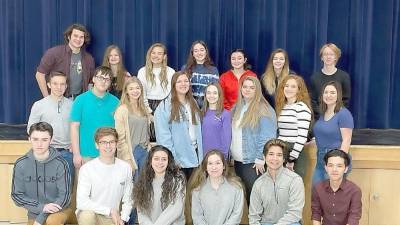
(156, 91)
(102, 187)
(237, 144)
(191, 127)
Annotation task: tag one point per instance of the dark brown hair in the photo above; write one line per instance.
(339, 102)
(80, 27)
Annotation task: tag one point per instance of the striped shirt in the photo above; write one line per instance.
(293, 124)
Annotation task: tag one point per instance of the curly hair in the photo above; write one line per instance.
(302, 93)
(174, 182)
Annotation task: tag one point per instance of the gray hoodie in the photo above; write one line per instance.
(37, 183)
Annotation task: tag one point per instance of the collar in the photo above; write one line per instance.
(328, 188)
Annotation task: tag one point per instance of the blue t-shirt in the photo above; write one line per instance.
(327, 133)
(92, 113)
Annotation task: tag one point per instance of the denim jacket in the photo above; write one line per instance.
(175, 136)
(254, 139)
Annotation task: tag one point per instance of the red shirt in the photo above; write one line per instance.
(340, 207)
(230, 86)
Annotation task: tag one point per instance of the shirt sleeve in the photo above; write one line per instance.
(346, 86)
(315, 205)
(63, 184)
(255, 208)
(197, 210)
(47, 62)
(162, 127)
(268, 127)
(303, 115)
(345, 119)
(227, 131)
(142, 77)
(296, 203)
(76, 111)
(127, 202)
(34, 117)
(355, 208)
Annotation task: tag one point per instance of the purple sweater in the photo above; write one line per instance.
(217, 131)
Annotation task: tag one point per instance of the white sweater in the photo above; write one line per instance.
(156, 91)
(102, 187)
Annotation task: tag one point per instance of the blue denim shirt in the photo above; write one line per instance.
(254, 139)
(175, 136)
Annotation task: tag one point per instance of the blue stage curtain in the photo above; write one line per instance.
(367, 31)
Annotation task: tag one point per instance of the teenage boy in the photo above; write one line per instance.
(55, 109)
(336, 200)
(278, 195)
(71, 59)
(104, 183)
(41, 182)
(90, 111)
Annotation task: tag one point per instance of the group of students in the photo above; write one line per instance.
(200, 122)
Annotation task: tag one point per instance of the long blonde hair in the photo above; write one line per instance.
(269, 76)
(125, 97)
(149, 67)
(258, 106)
(121, 70)
(302, 93)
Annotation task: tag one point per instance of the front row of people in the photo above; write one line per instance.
(106, 193)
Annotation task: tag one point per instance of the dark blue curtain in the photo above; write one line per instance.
(367, 31)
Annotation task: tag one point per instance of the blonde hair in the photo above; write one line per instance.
(125, 97)
(269, 76)
(301, 96)
(121, 70)
(334, 48)
(258, 106)
(149, 66)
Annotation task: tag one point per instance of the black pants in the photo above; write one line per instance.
(248, 175)
(152, 132)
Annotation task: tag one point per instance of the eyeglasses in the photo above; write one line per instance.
(104, 79)
(105, 143)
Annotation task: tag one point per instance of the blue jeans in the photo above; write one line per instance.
(140, 154)
(319, 172)
(68, 156)
(273, 224)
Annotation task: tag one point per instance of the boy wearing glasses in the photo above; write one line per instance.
(336, 200)
(90, 111)
(104, 183)
(55, 109)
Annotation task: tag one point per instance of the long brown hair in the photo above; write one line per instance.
(339, 102)
(269, 76)
(220, 102)
(176, 105)
(302, 93)
(174, 182)
(125, 97)
(121, 71)
(258, 106)
(149, 66)
(191, 61)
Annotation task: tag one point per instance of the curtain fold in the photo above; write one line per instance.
(367, 32)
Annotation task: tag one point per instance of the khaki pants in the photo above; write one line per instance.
(86, 217)
(58, 218)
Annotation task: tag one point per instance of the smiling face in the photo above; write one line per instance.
(182, 85)
(114, 57)
(57, 85)
(274, 157)
(238, 60)
(157, 55)
(40, 141)
(248, 90)
(290, 90)
(330, 95)
(215, 166)
(76, 39)
(199, 53)
(159, 162)
(278, 61)
(107, 146)
(329, 57)
(212, 95)
(101, 82)
(336, 168)
(134, 91)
